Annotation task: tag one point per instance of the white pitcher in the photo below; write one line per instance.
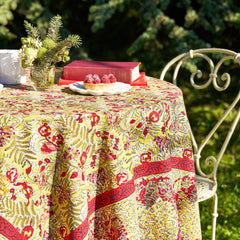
(11, 71)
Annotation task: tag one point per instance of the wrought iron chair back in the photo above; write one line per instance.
(207, 182)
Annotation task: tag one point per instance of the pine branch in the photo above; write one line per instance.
(31, 31)
(74, 40)
(53, 54)
(46, 52)
(54, 26)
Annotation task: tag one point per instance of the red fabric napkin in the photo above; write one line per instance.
(141, 81)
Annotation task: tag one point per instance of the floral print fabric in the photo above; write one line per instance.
(116, 167)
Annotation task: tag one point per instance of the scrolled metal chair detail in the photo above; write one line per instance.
(207, 182)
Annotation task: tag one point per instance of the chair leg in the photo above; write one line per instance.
(214, 216)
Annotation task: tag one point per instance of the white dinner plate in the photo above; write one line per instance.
(119, 88)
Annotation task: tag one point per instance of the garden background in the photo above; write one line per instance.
(151, 32)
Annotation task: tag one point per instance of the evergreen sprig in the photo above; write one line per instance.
(32, 31)
(54, 27)
(49, 50)
(75, 40)
(60, 52)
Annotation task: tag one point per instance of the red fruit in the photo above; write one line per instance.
(105, 79)
(88, 78)
(90, 81)
(96, 78)
(112, 78)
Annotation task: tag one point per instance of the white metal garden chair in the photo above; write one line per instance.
(207, 182)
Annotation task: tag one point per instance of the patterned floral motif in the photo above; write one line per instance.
(107, 227)
(153, 189)
(96, 167)
(5, 134)
(51, 144)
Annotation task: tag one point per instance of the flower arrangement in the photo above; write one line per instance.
(42, 53)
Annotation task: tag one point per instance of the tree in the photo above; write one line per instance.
(165, 28)
(149, 31)
(12, 15)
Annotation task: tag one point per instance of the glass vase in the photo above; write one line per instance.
(42, 78)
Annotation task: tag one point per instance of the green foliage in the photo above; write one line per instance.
(53, 30)
(32, 31)
(167, 28)
(202, 117)
(6, 15)
(103, 11)
(228, 207)
(46, 51)
(6, 8)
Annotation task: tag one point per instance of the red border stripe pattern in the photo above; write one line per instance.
(111, 196)
(126, 189)
(9, 231)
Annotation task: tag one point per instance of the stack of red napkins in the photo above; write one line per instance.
(127, 72)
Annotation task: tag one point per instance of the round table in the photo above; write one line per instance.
(111, 167)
